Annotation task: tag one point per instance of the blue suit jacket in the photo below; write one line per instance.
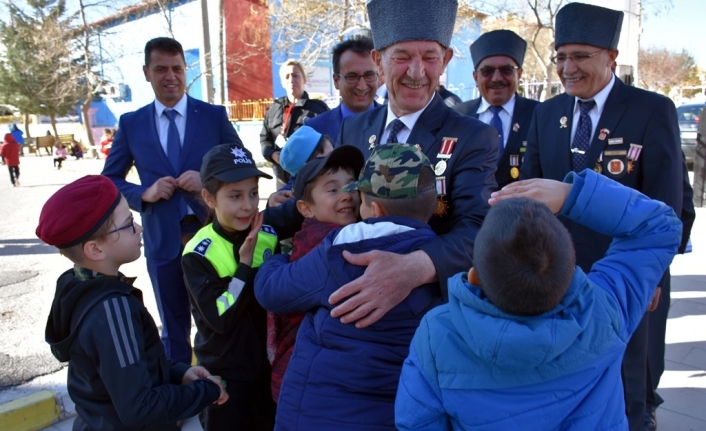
(522, 116)
(328, 123)
(137, 141)
(470, 175)
(630, 116)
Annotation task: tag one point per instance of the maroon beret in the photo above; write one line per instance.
(77, 210)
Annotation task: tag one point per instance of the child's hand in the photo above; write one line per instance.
(549, 192)
(246, 250)
(194, 373)
(224, 395)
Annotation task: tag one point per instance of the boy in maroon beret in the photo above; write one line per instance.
(119, 376)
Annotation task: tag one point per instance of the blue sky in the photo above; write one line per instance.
(681, 27)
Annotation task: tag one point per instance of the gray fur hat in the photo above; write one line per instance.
(588, 25)
(394, 21)
(498, 42)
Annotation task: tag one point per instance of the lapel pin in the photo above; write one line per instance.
(604, 133)
(515, 127)
(562, 122)
(371, 141)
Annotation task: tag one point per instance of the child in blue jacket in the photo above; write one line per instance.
(341, 377)
(528, 341)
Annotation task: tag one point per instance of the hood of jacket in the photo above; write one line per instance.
(73, 299)
(532, 348)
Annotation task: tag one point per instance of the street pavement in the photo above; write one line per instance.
(28, 272)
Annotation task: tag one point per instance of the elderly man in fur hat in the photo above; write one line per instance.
(627, 134)
(497, 59)
(412, 39)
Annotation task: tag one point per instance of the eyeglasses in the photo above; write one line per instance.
(130, 225)
(354, 78)
(575, 58)
(506, 71)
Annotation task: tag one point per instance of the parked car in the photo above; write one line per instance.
(688, 116)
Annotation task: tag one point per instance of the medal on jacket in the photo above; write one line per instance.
(633, 155)
(514, 162)
(599, 168)
(441, 205)
(445, 151)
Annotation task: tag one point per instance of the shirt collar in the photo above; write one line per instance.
(180, 107)
(409, 120)
(600, 97)
(345, 112)
(84, 274)
(509, 106)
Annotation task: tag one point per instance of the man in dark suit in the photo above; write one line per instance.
(628, 134)
(497, 59)
(166, 141)
(356, 78)
(412, 57)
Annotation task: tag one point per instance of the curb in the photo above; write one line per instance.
(30, 413)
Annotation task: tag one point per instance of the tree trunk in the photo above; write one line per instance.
(208, 73)
(87, 120)
(52, 116)
(29, 135)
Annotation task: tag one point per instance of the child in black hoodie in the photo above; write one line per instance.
(119, 376)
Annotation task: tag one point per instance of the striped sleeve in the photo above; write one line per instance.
(122, 330)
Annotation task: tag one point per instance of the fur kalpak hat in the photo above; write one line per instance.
(499, 42)
(588, 25)
(394, 21)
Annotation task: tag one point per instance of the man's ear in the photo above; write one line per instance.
(93, 251)
(473, 277)
(305, 209)
(208, 198)
(378, 210)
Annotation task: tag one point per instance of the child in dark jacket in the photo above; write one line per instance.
(339, 376)
(325, 207)
(119, 376)
(220, 263)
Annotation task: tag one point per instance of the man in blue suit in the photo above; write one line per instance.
(356, 78)
(166, 141)
(628, 134)
(412, 58)
(497, 59)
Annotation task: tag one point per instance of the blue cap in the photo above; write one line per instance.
(498, 42)
(298, 149)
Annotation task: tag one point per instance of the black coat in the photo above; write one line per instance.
(274, 121)
(470, 175)
(516, 142)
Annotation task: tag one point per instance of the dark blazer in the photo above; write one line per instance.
(632, 115)
(470, 175)
(137, 141)
(522, 116)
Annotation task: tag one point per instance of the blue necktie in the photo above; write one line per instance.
(173, 141)
(395, 127)
(582, 137)
(498, 124)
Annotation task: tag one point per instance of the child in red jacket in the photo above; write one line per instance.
(10, 151)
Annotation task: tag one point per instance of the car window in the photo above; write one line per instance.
(689, 113)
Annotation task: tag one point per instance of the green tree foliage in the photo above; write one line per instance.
(38, 72)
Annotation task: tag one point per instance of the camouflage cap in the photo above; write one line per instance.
(391, 172)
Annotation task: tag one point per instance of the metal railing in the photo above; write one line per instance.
(248, 110)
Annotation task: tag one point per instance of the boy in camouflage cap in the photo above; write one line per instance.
(329, 379)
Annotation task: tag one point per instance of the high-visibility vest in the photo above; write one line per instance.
(219, 252)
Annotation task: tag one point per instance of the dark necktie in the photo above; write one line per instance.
(582, 137)
(173, 141)
(498, 124)
(395, 127)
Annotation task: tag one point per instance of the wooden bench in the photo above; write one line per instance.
(67, 140)
(46, 142)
